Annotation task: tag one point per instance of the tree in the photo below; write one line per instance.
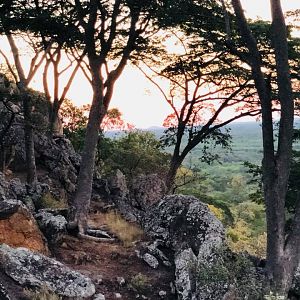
(265, 49)
(7, 116)
(134, 153)
(203, 86)
(7, 9)
(282, 248)
(43, 20)
(108, 33)
(54, 55)
(111, 30)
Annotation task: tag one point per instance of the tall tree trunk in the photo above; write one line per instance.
(26, 100)
(54, 126)
(282, 252)
(85, 179)
(2, 158)
(171, 175)
(29, 141)
(278, 269)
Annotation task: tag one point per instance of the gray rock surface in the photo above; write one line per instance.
(4, 294)
(184, 222)
(151, 260)
(35, 270)
(145, 190)
(296, 284)
(99, 297)
(119, 195)
(53, 227)
(59, 158)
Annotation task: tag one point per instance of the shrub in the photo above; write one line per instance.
(139, 283)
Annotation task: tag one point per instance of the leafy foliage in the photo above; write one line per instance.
(136, 152)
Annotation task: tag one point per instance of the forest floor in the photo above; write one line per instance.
(106, 262)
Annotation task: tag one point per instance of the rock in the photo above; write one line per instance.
(3, 186)
(100, 189)
(295, 290)
(227, 276)
(151, 260)
(16, 189)
(185, 282)
(18, 227)
(30, 269)
(162, 294)
(55, 155)
(9, 289)
(154, 250)
(99, 279)
(146, 190)
(118, 296)
(191, 231)
(4, 293)
(59, 158)
(119, 195)
(53, 227)
(184, 222)
(99, 297)
(121, 281)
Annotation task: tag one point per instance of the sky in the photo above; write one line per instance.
(139, 100)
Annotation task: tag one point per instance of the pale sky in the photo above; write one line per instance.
(139, 101)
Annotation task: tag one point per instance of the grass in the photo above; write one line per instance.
(48, 201)
(139, 283)
(41, 294)
(127, 232)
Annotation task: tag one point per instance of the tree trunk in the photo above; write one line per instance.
(26, 100)
(282, 252)
(54, 126)
(85, 179)
(2, 159)
(280, 266)
(171, 175)
(29, 142)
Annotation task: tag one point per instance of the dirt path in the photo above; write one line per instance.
(105, 262)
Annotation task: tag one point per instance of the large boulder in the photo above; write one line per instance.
(186, 225)
(58, 157)
(52, 226)
(18, 227)
(185, 222)
(146, 190)
(34, 270)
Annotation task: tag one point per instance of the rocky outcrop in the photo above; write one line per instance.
(119, 196)
(58, 157)
(30, 269)
(18, 227)
(187, 226)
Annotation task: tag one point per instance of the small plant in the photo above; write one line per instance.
(48, 201)
(272, 296)
(212, 273)
(139, 283)
(41, 294)
(127, 232)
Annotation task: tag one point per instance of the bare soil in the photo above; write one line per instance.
(103, 262)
